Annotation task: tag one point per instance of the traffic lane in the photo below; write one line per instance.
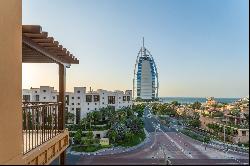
(148, 125)
(172, 150)
(118, 161)
(159, 141)
(209, 162)
(197, 153)
(184, 144)
(192, 141)
(187, 146)
(162, 127)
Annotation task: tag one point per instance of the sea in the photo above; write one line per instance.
(190, 100)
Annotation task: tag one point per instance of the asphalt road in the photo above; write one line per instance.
(165, 145)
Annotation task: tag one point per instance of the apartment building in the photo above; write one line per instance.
(80, 102)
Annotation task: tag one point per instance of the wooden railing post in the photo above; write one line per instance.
(62, 85)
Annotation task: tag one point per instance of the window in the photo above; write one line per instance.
(72, 109)
(78, 115)
(102, 97)
(119, 97)
(66, 113)
(44, 91)
(78, 91)
(96, 98)
(95, 109)
(88, 103)
(54, 97)
(124, 98)
(111, 99)
(88, 98)
(102, 102)
(35, 91)
(78, 103)
(95, 103)
(26, 97)
(37, 97)
(128, 98)
(88, 108)
(244, 133)
(72, 97)
(44, 97)
(98, 136)
(78, 97)
(72, 104)
(67, 99)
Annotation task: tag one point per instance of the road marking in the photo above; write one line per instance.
(177, 145)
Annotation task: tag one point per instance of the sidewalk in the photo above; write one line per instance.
(223, 145)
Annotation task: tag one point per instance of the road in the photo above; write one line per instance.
(165, 145)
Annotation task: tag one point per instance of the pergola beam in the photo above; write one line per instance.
(27, 41)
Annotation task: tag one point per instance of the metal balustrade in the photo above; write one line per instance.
(40, 123)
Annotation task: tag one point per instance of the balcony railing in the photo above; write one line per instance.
(40, 123)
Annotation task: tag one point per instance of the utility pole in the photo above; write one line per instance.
(224, 133)
(155, 132)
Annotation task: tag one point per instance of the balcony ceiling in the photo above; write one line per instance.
(37, 47)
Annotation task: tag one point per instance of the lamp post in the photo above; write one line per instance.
(224, 133)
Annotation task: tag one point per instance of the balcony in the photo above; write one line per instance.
(40, 124)
(43, 140)
(43, 123)
(36, 135)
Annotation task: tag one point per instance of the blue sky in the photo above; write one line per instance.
(200, 46)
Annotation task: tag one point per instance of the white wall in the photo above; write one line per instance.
(77, 99)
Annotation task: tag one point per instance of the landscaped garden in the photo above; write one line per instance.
(124, 127)
(194, 135)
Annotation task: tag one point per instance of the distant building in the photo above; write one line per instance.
(211, 101)
(145, 82)
(80, 102)
(240, 135)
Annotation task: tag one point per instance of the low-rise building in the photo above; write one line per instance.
(80, 102)
(240, 135)
(211, 101)
(185, 111)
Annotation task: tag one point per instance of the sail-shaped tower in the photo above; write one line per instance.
(145, 81)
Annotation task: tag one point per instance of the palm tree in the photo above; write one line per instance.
(90, 118)
(84, 123)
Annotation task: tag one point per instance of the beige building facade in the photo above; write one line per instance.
(19, 132)
(11, 87)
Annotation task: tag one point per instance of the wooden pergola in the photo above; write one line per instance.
(37, 47)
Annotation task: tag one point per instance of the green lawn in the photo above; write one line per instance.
(137, 139)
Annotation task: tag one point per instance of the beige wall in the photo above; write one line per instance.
(241, 138)
(10, 80)
(206, 120)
